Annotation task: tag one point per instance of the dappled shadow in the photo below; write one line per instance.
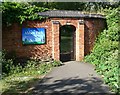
(70, 85)
(20, 88)
(67, 86)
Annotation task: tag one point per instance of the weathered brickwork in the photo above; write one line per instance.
(92, 28)
(85, 36)
(12, 40)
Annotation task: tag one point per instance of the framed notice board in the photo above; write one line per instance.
(33, 36)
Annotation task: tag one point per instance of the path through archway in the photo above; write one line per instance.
(67, 43)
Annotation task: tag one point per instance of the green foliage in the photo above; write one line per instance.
(56, 63)
(105, 52)
(81, 6)
(31, 67)
(89, 7)
(19, 12)
(17, 77)
(0, 66)
(7, 64)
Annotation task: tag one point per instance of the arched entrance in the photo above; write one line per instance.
(88, 26)
(67, 42)
(78, 50)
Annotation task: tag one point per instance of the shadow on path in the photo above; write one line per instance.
(71, 85)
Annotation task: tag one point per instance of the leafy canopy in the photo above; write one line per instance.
(19, 12)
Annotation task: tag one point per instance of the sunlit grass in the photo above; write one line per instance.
(24, 82)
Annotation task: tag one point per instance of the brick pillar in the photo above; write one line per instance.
(55, 40)
(77, 43)
(81, 39)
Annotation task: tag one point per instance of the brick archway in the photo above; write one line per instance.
(88, 27)
(67, 43)
(79, 41)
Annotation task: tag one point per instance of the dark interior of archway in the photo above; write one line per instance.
(67, 42)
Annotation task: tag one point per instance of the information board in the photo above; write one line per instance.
(33, 36)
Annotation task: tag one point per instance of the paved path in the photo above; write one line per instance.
(72, 77)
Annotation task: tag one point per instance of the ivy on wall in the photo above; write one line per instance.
(19, 12)
(105, 52)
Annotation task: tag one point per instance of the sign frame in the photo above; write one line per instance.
(33, 36)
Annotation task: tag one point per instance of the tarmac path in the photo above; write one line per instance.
(72, 78)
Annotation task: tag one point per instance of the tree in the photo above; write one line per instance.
(19, 12)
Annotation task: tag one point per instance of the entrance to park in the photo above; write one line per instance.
(67, 43)
(62, 35)
(68, 39)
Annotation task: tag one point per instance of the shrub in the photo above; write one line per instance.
(105, 52)
(19, 12)
(8, 63)
(31, 67)
(56, 63)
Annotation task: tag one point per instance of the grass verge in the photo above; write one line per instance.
(24, 81)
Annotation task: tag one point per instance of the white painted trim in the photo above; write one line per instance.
(77, 44)
(53, 41)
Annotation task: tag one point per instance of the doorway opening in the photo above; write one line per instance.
(67, 43)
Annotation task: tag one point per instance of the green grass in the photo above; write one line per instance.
(24, 81)
(17, 85)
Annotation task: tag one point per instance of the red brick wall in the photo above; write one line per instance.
(55, 27)
(92, 28)
(86, 34)
(12, 40)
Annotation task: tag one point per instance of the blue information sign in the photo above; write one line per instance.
(33, 35)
